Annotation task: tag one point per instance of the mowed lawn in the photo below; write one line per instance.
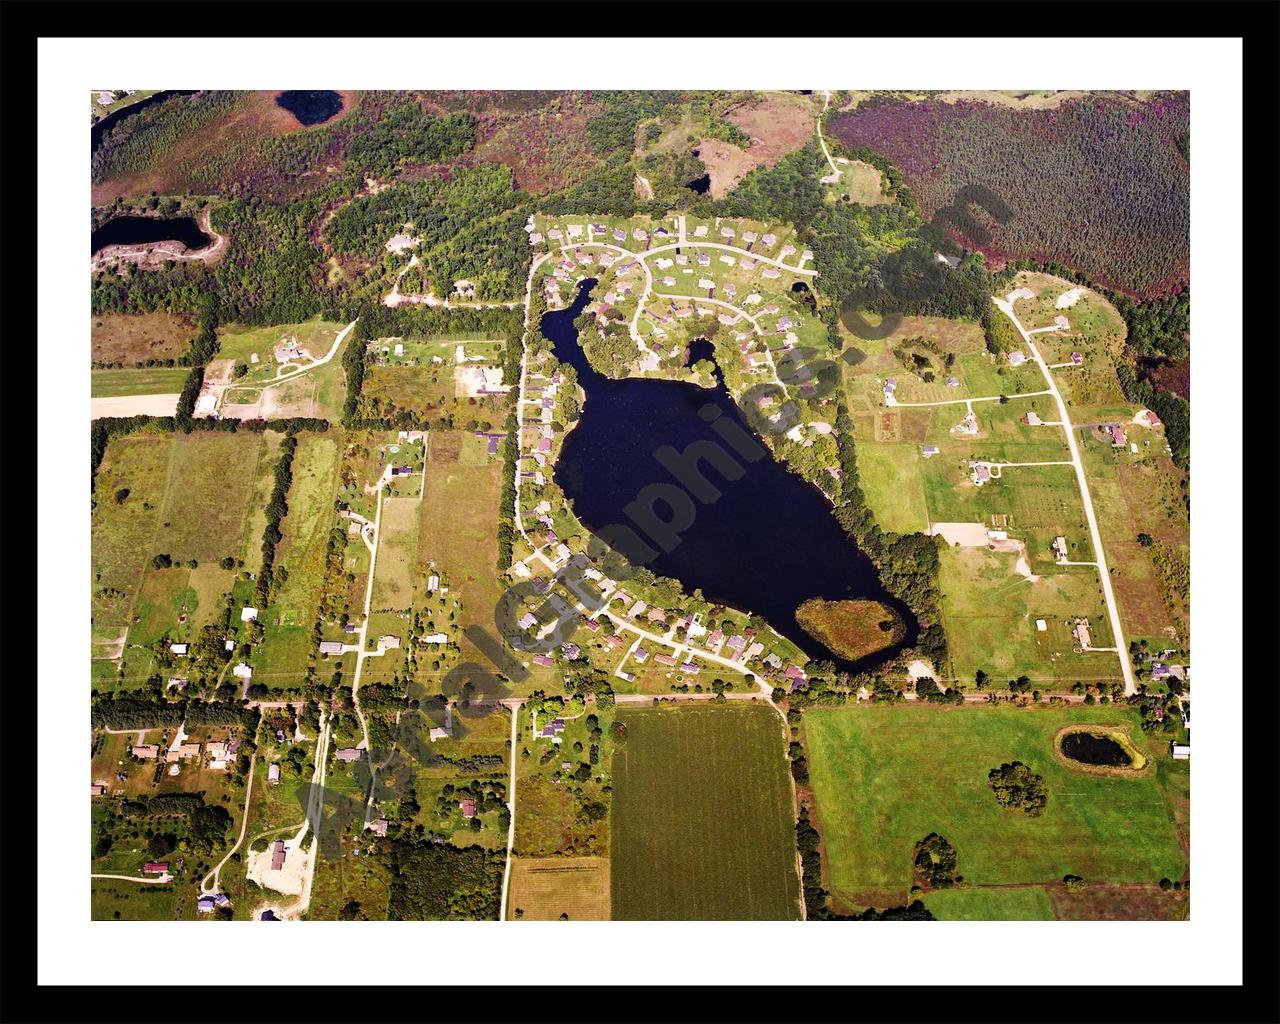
(702, 824)
(543, 888)
(885, 777)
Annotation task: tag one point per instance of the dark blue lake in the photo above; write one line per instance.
(141, 230)
(766, 545)
(310, 108)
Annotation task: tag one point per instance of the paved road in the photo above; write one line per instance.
(1113, 611)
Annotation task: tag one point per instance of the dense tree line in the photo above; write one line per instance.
(277, 509)
(615, 129)
(471, 227)
(135, 711)
(174, 288)
(408, 134)
(432, 882)
(506, 502)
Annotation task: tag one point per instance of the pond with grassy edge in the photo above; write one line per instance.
(1106, 750)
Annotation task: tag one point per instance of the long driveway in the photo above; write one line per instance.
(1113, 611)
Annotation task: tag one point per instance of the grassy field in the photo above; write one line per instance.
(393, 585)
(306, 527)
(702, 817)
(1031, 903)
(113, 900)
(1131, 495)
(861, 182)
(207, 500)
(459, 532)
(131, 338)
(283, 654)
(419, 389)
(891, 478)
(147, 381)
(124, 531)
(884, 777)
(989, 612)
(544, 888)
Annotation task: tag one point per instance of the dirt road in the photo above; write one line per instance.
(1095, 536)
(134, 405)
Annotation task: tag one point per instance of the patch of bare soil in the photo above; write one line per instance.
(779, 124)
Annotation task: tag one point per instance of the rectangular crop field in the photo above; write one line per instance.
(890, 475)
(702, 820)
(306, 527)
(885, 777)
(543, 888)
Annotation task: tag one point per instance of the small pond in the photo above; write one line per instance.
(701, 348)
(1092, 748)
(134, 230)
(310, 107)
(701, 185)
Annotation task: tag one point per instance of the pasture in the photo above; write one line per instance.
(207, 501)
(544, 888)
(886, 776)
(702, 819)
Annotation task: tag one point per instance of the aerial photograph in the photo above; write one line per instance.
(637, 505)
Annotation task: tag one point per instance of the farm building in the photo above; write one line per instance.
(349, 754)
(330, 646)
(273, 774)
(145, 751)
(277, 855)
